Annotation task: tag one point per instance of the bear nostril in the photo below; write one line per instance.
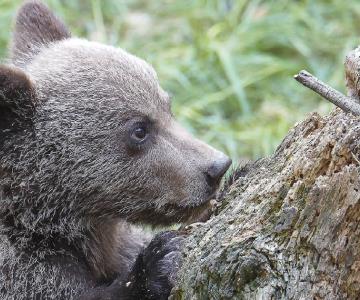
(217, 169)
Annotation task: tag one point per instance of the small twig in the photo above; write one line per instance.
(345, 103)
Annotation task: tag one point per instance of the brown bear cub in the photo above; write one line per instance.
(88, 149)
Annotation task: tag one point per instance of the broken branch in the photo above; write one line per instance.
(345, 103)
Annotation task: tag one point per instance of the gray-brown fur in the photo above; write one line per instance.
(35, 28)
(72, 179)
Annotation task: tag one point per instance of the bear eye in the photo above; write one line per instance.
(139, 134)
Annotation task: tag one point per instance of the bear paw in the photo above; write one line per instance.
(154, 272)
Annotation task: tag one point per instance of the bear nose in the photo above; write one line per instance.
(217, 169)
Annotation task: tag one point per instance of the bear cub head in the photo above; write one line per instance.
(87, 133)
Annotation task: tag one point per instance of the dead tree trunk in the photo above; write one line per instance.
(290, 224)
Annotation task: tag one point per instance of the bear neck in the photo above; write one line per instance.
(41, 217)
(98, 243)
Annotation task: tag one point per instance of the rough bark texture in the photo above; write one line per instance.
(289, 226)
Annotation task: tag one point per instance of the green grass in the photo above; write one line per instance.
(228, 64)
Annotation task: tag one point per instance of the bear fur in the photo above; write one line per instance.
(89, 148)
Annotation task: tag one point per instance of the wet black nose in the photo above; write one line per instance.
(218, 169)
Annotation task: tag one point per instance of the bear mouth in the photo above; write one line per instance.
(175, 214)
(201, 213)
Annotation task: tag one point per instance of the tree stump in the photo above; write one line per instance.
(288, 226)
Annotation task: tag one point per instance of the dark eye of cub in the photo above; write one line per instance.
(139, 134)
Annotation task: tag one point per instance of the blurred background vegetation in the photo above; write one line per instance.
(228, 63)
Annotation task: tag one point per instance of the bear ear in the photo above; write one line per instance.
(17, 97)
(35, 26)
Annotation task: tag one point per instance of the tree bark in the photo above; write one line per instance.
(288, 226)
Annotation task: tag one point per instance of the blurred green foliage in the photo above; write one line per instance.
(228, 63)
